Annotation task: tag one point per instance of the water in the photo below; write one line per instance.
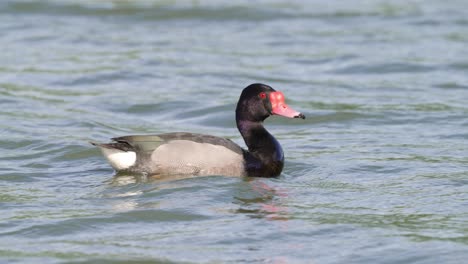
(377, 173)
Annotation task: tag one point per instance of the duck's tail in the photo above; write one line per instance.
(119, 155)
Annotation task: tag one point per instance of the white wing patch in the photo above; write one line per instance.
(118, 159)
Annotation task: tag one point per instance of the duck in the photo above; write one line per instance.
(184, 153)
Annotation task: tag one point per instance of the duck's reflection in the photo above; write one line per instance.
(126, 190)
(123, 197)
(262, 200)
(121, 179)
(254, 197)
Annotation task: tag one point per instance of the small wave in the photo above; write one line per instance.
(385, 68)
(150, 10)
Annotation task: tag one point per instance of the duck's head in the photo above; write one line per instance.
(258, 101)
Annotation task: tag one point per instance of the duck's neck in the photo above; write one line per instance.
(265, 157)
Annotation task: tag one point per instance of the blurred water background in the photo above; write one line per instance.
(377, 173)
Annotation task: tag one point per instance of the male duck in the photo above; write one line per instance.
(183, 153)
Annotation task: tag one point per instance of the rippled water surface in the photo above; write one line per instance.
(377, 173)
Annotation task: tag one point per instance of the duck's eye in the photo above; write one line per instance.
(262, 95)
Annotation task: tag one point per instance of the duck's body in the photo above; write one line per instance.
(202, 155)
(175, 153)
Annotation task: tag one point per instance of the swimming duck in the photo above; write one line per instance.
(183, 153)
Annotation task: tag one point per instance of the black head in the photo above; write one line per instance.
(258, 101)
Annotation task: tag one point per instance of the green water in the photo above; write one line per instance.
(377, 173)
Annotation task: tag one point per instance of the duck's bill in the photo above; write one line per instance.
(286, 111)
(279, 107)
